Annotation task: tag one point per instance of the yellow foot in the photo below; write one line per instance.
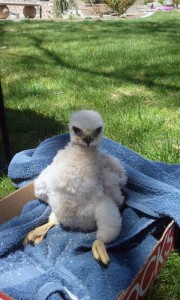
(99, 252)
(36, 236)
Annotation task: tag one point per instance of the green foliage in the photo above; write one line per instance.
(120, 6)
(6, 186)
(168, 284)
(56, 8)
(59, 6)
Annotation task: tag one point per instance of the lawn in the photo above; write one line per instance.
(128, 70)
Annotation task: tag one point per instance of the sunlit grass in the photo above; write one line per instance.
(168, 284)
(6, 186)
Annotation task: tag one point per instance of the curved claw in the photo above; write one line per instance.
(99, 252)
(36, 236)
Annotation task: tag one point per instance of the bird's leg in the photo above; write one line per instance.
(108, 220)
(99, 252)
(36, 236)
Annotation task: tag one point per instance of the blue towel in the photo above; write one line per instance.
(153, 187)
(61, 266)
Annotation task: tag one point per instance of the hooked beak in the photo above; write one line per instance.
(87, 140)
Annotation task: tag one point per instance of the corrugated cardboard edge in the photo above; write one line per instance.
(158, 256)
(12, 205)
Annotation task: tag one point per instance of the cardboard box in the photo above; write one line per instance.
(4, 297)
(139, 287)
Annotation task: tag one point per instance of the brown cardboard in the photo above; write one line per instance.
(139, 287)
(12, 205)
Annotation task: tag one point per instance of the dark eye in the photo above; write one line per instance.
(77, 130)
(98, 130)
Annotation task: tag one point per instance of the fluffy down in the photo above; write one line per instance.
(83, 185)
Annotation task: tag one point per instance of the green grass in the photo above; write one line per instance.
(128, 70)
(168, 284)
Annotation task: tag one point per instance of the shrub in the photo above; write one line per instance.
(59, 6)
(120, 6)
(56, 8)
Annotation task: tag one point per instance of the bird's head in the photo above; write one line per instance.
(86, 128)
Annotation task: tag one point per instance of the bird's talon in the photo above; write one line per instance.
(37, 235)
(100, 252)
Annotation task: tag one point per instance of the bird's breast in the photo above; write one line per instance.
(78, 214)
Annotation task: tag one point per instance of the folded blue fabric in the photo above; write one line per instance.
(152, 186)
(61, 266)
(58, 269)
(26, 165)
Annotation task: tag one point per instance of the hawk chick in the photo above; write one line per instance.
(83, 186)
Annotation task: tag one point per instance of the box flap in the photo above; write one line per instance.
(139, 287)
(12, 205)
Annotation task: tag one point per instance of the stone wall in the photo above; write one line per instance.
(40, 9)
(46, 9)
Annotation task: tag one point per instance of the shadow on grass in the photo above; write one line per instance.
(89, 32)
(27, 129)
(130, 73)
(47, 60)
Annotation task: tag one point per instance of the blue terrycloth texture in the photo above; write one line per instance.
(153, 186)
(57, 268)
(61, 266)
